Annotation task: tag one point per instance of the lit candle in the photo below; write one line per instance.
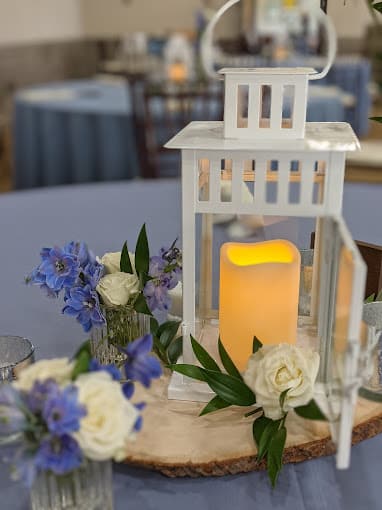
(178, 72)
(259, 290)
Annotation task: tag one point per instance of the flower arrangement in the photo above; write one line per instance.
(70, 412)
(278, 379)
(111, 290)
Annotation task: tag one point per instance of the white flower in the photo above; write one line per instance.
(112, 262)
(276, 368)
(59, 369)
(109, 423)
(118, 288)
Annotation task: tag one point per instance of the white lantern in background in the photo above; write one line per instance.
(262, 151)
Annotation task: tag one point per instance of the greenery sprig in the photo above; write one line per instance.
(231, 390)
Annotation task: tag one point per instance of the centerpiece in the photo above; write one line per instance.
(73, 417)
(113, 297)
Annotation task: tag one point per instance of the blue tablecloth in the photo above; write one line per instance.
(105, 215)
(73, 132)
(82, 131)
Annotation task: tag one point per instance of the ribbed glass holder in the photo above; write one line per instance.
(123, 325)
(87, 488)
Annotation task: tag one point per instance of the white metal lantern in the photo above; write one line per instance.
(255, 156)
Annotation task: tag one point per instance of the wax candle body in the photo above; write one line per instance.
(259, 289)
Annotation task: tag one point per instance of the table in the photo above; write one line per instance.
(83, 131)
(74, 132)
(105, 215)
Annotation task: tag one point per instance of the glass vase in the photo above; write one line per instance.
(123, 325)
(89, 487)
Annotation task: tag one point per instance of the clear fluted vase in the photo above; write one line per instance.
(123, 325)
(89, 487)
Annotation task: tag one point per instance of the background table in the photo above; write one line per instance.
(105, 215)
(83, 131)
(74, 132)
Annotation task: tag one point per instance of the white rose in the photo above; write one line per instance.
(118, 288)
(112, 262)
(110, 419)
(276, 368)
(59, 369)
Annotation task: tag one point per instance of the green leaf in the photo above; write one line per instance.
(142, 254)
(258, 428)
(160, 350)
(378, 6)
(379, 297)
(275, 454)
(377, 119)
(125, 264)
(154, 326)
(282, 399)
(84, 347)
(167, 335)
(310, 412)
(370, 299)
(229, 388)
(203, 357)
(214, 405)
(266, 437)
(256, 345)
(228, 364)
(175, 350)
(140, 305)
(189, 370)
(81, 365)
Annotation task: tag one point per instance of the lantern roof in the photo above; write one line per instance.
(319, 136)
(268, 71)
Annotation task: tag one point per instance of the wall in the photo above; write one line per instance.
(112, 17)
(351, 20)
(25, 21)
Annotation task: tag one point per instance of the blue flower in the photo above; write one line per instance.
(37, 278)
(12, 419)
(59, 454)
(81, 251)
(139, 422)
(59, 268)
(95, 366)
(37, 396)
(23, 465)
(140, 364)
(92, 274)
(83, 303)
(62, 412)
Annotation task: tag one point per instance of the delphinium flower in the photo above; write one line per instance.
(74, 270)
(83, 303)
(60, 268)
(140, 365)
(165, 272)
(61, 411)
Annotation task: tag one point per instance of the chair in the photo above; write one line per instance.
(167, 110)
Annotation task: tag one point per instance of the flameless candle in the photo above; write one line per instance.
(259, 289)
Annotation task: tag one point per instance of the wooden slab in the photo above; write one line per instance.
(177, 442)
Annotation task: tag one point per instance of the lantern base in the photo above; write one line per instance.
(184, 388)
(177, 442)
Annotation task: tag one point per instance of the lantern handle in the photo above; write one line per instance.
(207, 54)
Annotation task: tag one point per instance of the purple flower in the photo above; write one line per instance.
(59, 454)
(157, 296)
(140, 364)
(62, 412)
(95, 366)
(35, 399)
(59, 268)
(83, 303)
